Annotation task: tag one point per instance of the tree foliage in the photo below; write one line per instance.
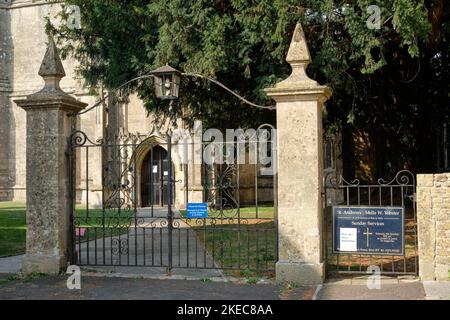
(392, 83)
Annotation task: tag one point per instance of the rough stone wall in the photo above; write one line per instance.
(47, 224)
(5, 88)
(433, 218)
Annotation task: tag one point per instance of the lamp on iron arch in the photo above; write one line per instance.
(167, 82)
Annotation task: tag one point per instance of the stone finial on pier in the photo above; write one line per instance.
(300, 214)
(52, 71)
(298, 57)
(51, 65)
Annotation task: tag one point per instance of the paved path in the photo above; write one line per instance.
(144, 249)
(126, 249)
(145, 289)
(129, 286)
(437, 290)
(356, 289)
(11, 264)
(405, 291)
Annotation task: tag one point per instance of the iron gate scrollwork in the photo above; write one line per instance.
(397, 192)
(112, 227)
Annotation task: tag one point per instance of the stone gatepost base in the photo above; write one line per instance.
(300, 273)
(41, 263)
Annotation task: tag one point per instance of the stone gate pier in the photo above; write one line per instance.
(433, 224)
(299, 122)
(47, 176)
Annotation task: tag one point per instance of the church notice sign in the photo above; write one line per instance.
(197, 210)
(368, 230)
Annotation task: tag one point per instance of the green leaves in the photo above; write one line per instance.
(410, 19)
(244, 44)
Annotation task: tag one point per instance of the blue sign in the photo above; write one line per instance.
(197, 210)
(368, 230)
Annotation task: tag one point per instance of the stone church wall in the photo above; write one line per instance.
(25, 43)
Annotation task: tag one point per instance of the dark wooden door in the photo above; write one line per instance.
(155, 174)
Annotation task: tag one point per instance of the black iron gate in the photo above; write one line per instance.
(120, 219)
(398, 192)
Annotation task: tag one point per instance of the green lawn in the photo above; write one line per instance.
(13, 225)
(94, 217)
(12, 228)
(250, 247)
(96, 225)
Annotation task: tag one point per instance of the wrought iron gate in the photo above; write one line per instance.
(398, 192)
(115, 222)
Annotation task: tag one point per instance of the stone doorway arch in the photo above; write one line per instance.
(152, 152)
(155, 178)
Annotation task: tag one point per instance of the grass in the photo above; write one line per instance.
(13, 225)
(253, 280)
(291, 285)
(95, 226)
(94, 218)
(247, 249)
(251, 248)
(12, 228)
(33, 276)
(23, 278)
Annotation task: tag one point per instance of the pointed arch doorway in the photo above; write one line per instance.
(155, 177)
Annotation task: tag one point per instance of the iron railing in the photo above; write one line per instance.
(398, 192)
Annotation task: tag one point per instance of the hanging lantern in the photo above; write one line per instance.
(167, 82)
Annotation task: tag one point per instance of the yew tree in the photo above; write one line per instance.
(390, 84)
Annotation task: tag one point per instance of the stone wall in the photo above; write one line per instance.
(23, 43)
(5, 89)
(22, 46)
(433, 219)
